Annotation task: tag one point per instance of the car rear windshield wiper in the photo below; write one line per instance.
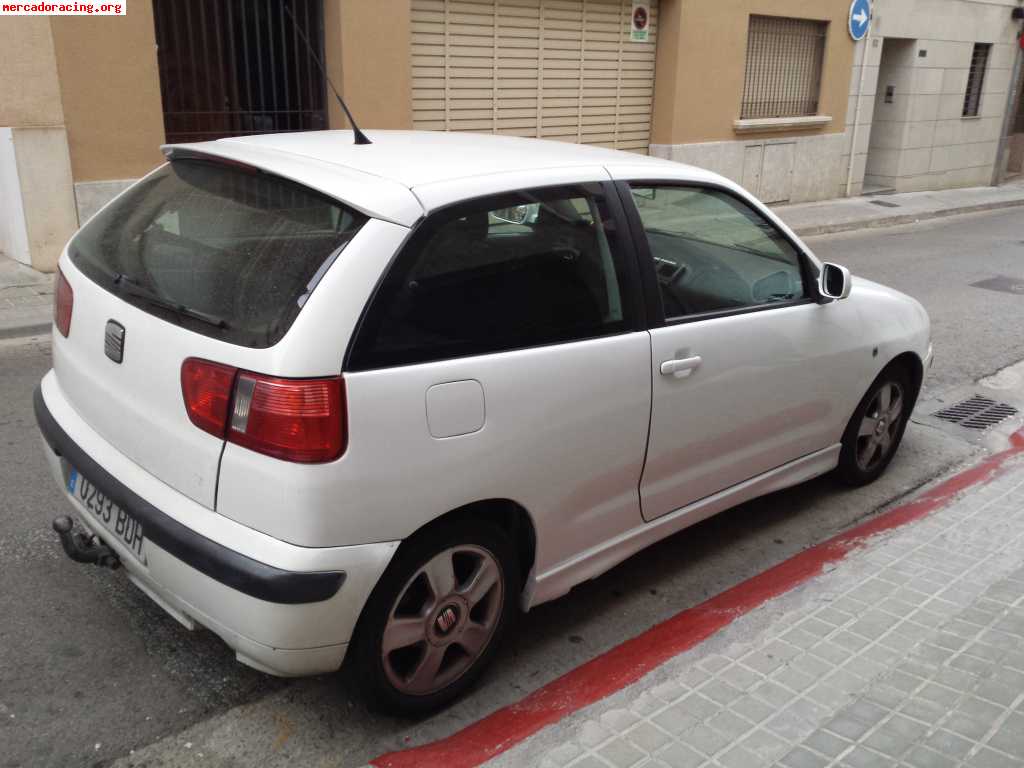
(121, 277)
(121, 280)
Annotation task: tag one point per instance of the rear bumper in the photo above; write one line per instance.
(284, 609)
(234, 569)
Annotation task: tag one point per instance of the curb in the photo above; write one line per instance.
(22, 331)
(906, 218)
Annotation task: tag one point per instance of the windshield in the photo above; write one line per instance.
(226, 251)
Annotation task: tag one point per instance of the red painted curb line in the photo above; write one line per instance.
(628, 662)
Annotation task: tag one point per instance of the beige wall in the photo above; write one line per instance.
(110, 88)
(702, 51)
(367, 45)
(29, 93)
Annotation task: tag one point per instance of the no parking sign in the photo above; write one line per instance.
(640, 22)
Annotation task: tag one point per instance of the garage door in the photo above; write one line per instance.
(554, 69)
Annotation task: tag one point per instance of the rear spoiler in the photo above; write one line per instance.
(377, 197)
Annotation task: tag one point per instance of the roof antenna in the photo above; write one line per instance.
(360, 137)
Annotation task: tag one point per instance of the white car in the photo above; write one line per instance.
(332, 400)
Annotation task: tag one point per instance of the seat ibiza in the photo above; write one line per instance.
(332, 400)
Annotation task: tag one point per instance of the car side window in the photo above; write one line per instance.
(712, 252)
(505, 272)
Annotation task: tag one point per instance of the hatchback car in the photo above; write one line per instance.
(329, 400)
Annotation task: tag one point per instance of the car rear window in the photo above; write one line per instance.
(224, 250)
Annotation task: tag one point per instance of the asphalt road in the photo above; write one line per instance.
(91, 670)
(976, 331)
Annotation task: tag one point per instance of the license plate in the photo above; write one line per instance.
(121, 525)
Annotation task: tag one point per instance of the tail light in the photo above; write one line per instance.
(207, 389)
(63, 304)
(292, 419)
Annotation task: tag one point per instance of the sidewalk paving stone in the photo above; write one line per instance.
(908, 652)
(26, 299)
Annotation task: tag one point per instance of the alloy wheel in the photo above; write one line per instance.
(443, 620)
(880, 426)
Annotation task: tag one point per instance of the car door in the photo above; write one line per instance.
(747, 370)
(504, 356)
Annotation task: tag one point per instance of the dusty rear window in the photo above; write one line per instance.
(226, 251)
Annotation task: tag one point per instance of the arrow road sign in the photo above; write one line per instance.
(860, 18)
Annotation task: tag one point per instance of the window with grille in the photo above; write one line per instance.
(234, 67)
(976, 79)
(784, 61)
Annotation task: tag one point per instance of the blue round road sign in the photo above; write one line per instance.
(860, 18)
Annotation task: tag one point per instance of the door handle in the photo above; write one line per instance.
(680, 368)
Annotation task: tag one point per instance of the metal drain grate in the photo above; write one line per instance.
(885, 204)
(976, 412)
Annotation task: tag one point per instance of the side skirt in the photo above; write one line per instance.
(558, 580)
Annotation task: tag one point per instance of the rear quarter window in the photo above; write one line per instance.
(512, 271)
(226, 251)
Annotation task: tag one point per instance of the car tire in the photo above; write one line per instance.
(432, 624)
(876, 428)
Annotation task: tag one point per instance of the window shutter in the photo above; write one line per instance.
(553, 69)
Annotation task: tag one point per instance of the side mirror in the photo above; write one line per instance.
(834, 282)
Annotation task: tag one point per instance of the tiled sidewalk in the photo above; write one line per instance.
(909, 652)
(26, 298)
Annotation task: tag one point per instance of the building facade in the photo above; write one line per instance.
(774, 94)
(86, 102)
(757, 91)
(940, 78)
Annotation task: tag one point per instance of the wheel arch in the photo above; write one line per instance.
(508, 515)
(914, 366)
(365, 651)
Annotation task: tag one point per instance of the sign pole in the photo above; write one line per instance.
(856, 115)
(858, 24)
(999, 171)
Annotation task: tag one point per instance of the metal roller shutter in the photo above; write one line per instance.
(553, 69)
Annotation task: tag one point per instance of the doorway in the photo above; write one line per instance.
(889, 121)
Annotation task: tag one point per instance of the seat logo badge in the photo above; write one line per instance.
(113, 341)
(446, 620)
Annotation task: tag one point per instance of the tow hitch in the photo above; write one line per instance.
(84, 548)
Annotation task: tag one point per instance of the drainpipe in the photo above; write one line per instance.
(856, 112)
(1009, 116)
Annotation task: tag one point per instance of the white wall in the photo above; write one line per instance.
(37, 203)
(13, 231)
